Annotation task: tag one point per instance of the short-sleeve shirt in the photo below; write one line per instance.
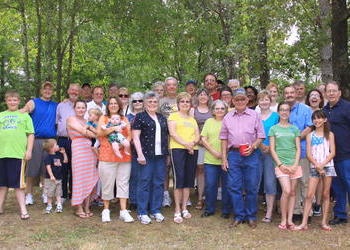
(211, 130)
(56, 162)
(106, 152)
(285, 146)
(268, 123)
(147, 126)
(14, 129)
(185, 128)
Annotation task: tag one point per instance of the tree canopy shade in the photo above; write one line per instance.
(138, 42)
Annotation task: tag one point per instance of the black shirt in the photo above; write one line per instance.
(56, 162)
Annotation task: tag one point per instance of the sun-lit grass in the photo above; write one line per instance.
(66, 231)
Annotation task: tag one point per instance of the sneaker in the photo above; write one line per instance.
(144, 219)
(48, 209)
(125, 216)
(29, 199)
(44, 198)
(106, 215)
(158, 217)
(189, 203)
(166, 199)
(59, 208)
(317, 210)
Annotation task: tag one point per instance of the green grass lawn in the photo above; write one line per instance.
(66, 231)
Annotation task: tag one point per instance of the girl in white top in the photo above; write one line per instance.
(320, 148)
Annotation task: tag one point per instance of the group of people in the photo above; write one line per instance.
(228, 141)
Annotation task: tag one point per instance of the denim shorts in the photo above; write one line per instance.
(329, 171)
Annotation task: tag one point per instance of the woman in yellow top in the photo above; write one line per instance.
(184, 137)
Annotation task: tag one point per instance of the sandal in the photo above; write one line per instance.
(326, 228)
(25, 216)
(200, 205)
(266, 220)
(186, 214)
(177, 218)
(299, 228)
(291, 226)
(282, 227)
(81, 215)
(89, 214)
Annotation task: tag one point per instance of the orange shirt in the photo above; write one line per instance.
(106, 152)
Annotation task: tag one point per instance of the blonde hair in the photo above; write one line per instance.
(272, 85)
(95, 111)
(48, 144)
(11, 93)
(183, 95)
(262, 94)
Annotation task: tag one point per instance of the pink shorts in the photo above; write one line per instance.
(297, 174)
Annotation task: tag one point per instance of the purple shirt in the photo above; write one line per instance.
(241, 128)
(64, 110)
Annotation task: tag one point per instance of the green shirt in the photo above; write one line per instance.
(14, 129)
(285, 142)
(211, 131)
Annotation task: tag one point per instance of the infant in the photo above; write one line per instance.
(116, 137)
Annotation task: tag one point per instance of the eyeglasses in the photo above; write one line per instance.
(123, 96)
(209, 80)
(222, 108)
(332, 91)
(315, 95)
(135, 101)
(184, 101)
(284, 110)
(154, 101)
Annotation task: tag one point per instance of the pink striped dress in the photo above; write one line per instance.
(84, 171)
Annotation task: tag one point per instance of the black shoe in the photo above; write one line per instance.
(225, 216)
(297, 217)
(337, 221)
(206, 214)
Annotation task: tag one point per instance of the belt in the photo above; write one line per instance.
(233, 149)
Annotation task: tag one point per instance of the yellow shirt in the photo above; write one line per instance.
(185, 129)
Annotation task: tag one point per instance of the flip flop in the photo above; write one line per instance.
(89, 214)
(282, 227)
(326, 228)
(25, 216)
(266, 220)
(81, 215)
(299, 228)
(177, 218)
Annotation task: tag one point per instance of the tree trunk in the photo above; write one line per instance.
(22, 9)
(325, 47)
(340, 46)
(39, 46)
(264, 67)
(59, 53)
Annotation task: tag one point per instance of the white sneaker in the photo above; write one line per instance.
(44, 198)
(59, 208)
(125, 216)
(106, 217)
(158, 217)
(144, 219)
(166, 199)
(29, 199)
(48, 209)
(189, 203)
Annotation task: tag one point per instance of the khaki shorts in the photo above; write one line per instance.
(52, 188)
(297, 174)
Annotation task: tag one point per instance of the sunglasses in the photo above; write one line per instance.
(184, 101)
(123, 96)
(135, 101)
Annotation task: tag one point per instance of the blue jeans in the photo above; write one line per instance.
(150, 185)
(341, 187)
(243, 176)
(214, 173)
(270, 182)
(133, 180)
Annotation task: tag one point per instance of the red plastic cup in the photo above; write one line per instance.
(242, 149)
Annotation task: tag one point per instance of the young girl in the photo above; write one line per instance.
(285, 151)
(320, 148)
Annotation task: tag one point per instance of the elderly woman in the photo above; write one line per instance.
(114, 169)
(84, 172)
(136, 106)
(150, 135)
(184, 137)
(269, 119)
(212, 161)
(159, 88)
(201, 113)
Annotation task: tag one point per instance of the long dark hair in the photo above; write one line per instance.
(326, 127)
